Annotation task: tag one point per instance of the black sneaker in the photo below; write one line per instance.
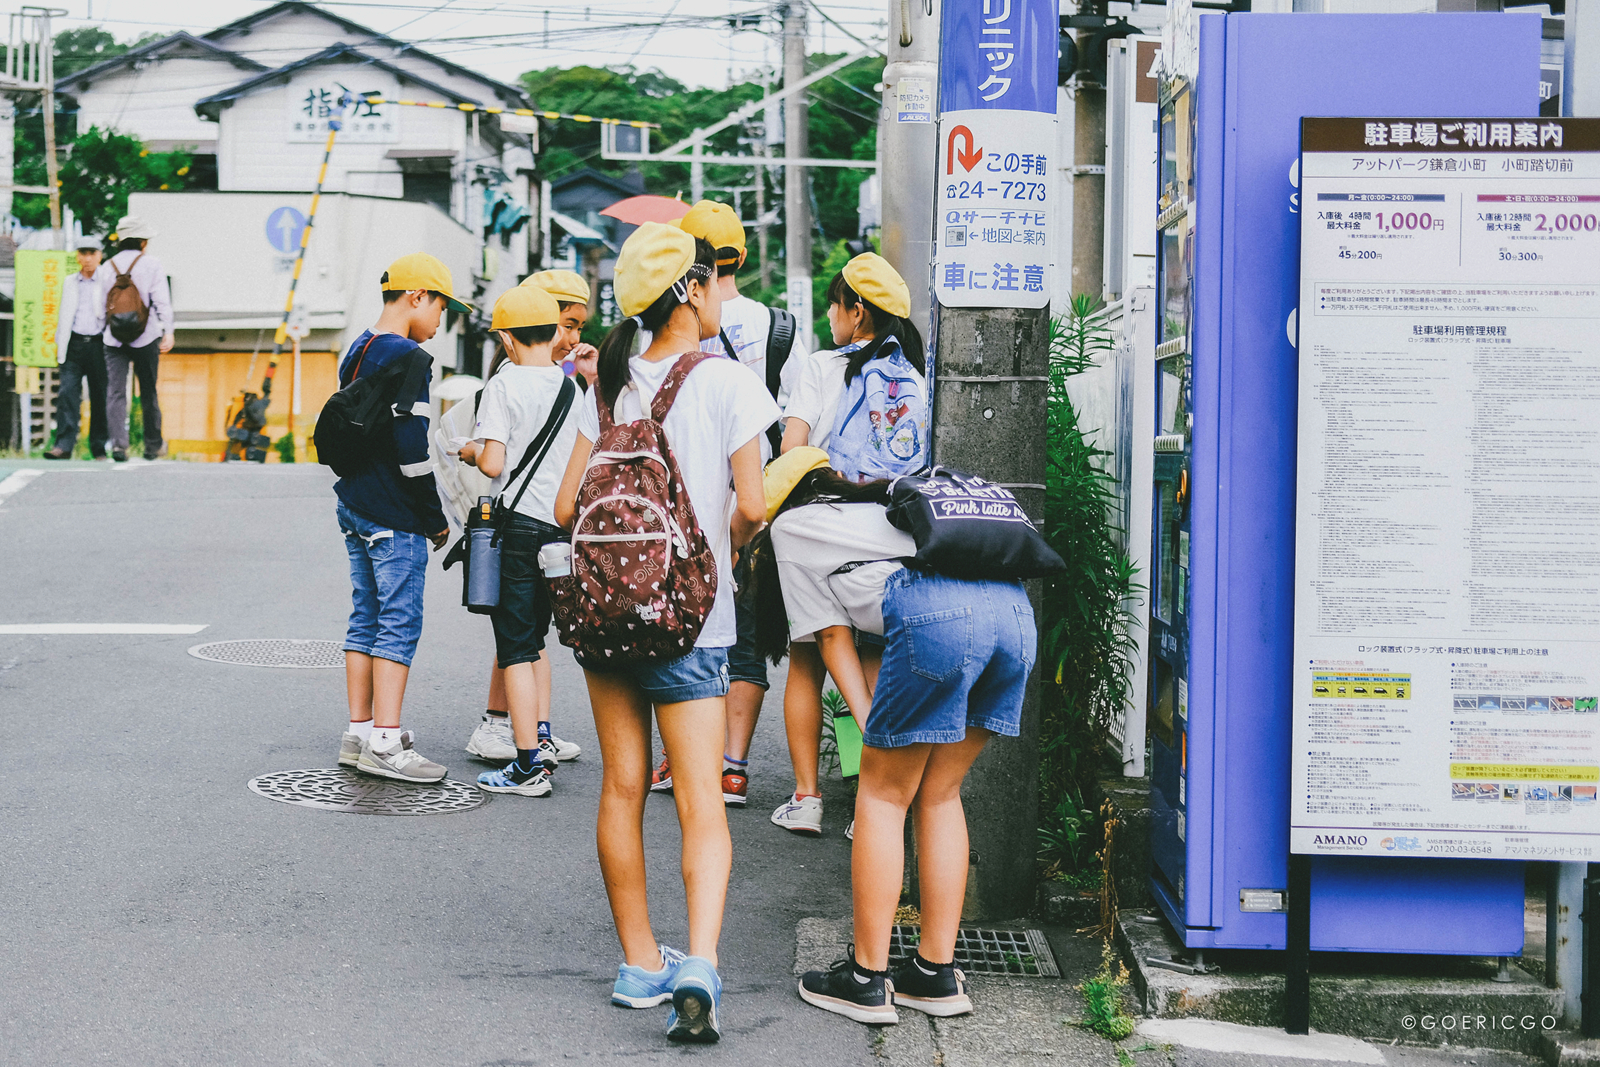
(119, 455)
(933, 988)
(842, 991)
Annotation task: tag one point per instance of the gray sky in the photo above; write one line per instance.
(687, 39)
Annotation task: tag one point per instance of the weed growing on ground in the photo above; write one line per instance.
(1102, 996)
(285, 448)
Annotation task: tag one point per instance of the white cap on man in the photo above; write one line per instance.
(132, 226)
(89, 243)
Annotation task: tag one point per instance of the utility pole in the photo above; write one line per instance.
(1580, 79)
(768, 122)
(52, 170)
(990, 367)
(908, 141)
(796, 186)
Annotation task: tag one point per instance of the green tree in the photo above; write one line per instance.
(84, 46)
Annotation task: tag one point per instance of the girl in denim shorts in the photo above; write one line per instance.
(956, 660)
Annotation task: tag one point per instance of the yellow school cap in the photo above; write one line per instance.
(879, 284)
(785, 472)
(565, 285)
(651, 260)
(714, 223)
(526, 305)
(422, 271)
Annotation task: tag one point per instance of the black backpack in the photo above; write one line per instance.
(352, 429)
(969, 528)
(780, 340)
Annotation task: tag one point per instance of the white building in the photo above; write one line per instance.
(252, 101)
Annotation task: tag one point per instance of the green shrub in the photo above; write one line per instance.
(285, 447)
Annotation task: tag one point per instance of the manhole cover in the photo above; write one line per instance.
(361, 794)
(272, 652)
(984, 951)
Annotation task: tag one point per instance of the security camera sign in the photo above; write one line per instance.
(997, 134)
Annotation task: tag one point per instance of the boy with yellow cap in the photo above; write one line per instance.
(572, 297)
(748, 327)
(526, 416)
(389, 511)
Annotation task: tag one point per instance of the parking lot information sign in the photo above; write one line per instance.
(997, 141)
(1447, 539)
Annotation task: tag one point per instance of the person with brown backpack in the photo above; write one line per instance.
(663, 486)
(139, 330)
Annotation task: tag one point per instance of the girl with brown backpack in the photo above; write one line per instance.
(663, 486)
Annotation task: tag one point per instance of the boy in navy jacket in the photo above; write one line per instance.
(389, 512)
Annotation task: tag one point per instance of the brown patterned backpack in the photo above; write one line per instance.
(643, 576)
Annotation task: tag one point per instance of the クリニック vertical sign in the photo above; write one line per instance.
(997, 118)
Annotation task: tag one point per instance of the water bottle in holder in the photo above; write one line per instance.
(483, 559)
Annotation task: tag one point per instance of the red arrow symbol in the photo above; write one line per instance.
(969, 158)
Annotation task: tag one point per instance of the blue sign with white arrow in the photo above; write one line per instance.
(284, 227)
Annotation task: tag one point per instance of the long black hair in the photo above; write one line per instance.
(764, 592)
(618, 344)
(884, 326)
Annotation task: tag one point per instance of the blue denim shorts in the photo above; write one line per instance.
(387, 572)
(958, 655)
(702, 673)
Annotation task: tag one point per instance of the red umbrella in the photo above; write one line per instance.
(637, 210)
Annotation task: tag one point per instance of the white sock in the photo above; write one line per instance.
(362, 729)
(385, 738)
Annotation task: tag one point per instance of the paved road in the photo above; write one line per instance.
(154, 911)
(157, 912)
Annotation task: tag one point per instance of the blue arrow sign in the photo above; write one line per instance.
(284, 227)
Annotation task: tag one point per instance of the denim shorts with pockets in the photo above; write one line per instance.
(387, 572)
(702, 673)
(958, 654)
(523, 617)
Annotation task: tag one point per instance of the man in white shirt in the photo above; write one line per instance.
(143, 353)
(81, 355)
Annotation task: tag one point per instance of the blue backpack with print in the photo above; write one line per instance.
(882, 425)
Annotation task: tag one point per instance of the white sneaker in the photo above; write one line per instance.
(402, 762)
(801, 815)
(565, 750)
(492, 741)
(850, 831)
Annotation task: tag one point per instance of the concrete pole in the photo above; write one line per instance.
(1089, 186)
(697, 173)
(1580, 78)
(909, 151)
(8, 157)
(796, 186)
(47, 58)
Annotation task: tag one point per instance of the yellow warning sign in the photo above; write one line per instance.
(1360, 685)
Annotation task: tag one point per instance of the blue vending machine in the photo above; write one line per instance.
(1222, 576)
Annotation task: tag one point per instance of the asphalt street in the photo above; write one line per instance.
(155, 911)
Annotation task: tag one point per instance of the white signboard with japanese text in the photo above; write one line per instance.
(312, 101)
(997, 136)
(1447, 552)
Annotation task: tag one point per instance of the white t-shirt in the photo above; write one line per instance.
(515, 406)
(747, 323)
(815, 396)
(814, 541)
(720, 409)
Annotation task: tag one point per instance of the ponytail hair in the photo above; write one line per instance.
(617, 347)
(884, 326)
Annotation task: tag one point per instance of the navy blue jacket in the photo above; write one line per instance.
(396, 489)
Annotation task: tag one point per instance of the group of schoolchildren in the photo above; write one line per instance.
(686, 514)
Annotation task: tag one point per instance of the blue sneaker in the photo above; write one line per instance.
(510, 779)
(695, 995)
(639, 988)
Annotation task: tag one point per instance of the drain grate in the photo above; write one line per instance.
(272, 652)
(361, 794)
(983, 951)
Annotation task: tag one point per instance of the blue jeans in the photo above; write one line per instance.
(958, 656)
(387, 572)
(701, 674)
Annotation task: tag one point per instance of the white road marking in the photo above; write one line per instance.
(1212, 1036)
(16, 482)
(102, 628)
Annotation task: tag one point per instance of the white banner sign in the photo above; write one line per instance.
(1447, 551)
(992, 234)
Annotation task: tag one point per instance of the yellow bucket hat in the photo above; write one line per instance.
(785, 472)
(525, 305)
(565, 285)
(715, 224)
(651, 260)
(879, 284)
(422, 271)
